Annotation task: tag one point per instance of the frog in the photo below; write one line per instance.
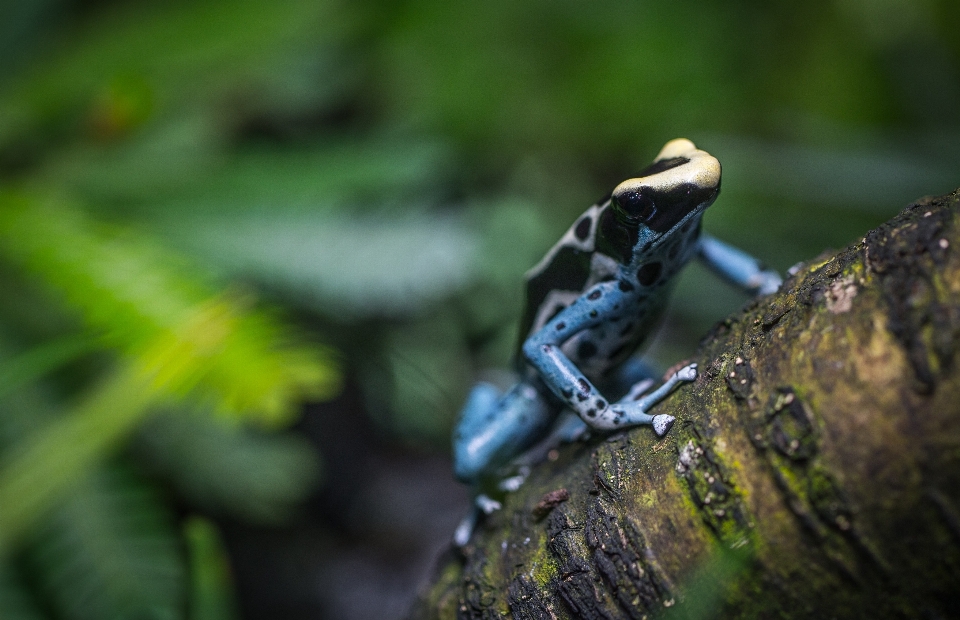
(591, 303)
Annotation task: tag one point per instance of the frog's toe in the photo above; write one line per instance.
(513, 483)
(465, 530)
(687, 373)
(486, 504)
(662, 424)
(770, 283)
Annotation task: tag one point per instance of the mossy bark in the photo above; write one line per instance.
(814, 470)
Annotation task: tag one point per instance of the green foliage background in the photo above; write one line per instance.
(201, 200)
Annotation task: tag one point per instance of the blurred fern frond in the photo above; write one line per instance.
(41, 360)
(40, 468)
(16, 603)
(176, 329)
(178, 339)
(110, 550)
(211, 596)
(225, 470)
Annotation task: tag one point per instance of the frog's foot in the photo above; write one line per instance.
(662, 424)
(514, 482)
(687, 373)
(767, 282)
(628, 412)
(482, 505)
(486, 504)
(683, 375)
(461, 536)
(465, 529)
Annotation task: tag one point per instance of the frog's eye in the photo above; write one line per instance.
(636, 204)
(659, 209)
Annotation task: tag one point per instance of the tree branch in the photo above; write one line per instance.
(814, 467)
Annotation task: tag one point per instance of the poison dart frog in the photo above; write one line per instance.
(590, 304)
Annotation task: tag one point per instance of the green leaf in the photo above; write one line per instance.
(223, 469)
(211, 592)
(364, 266)
(110, 551)
(16, 602)
(37, 470)
(180, 339)
(41, 360)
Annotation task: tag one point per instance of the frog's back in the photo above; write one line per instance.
(571, 266)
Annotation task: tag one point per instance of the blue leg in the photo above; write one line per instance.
(543, 352)
(494, 429)
(634, 377)
(738, 267)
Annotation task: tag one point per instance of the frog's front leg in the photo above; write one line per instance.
(564, 379)
(738, 267)
(661, 423)
(633, 379)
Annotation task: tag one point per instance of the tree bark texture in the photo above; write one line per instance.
(813, 472)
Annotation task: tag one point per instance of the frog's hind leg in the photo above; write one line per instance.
(480, 407)
(568, 429)
(494, 429)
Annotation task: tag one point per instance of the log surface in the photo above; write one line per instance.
(814, 469)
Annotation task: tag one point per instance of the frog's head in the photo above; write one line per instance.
(678, 186)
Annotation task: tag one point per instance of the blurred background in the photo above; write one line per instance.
(253, 254)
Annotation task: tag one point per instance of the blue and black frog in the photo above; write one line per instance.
(591, 302)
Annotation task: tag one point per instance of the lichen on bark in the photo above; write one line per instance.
(814, 469)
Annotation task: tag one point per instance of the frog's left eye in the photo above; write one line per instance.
(660, 208)
(636, 203)
(640, 202)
